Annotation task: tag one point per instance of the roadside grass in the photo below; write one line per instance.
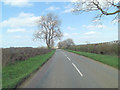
(15, 73)
(106, 59)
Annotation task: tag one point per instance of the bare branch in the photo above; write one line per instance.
(106, 8)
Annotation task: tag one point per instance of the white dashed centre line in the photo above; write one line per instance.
(77, 69)
(68, 58)
(74, 65)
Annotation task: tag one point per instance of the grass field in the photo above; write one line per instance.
(106, 59)
(13, 74)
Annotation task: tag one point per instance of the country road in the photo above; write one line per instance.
(69, 70)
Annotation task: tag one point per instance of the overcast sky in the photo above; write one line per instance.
(19, 23)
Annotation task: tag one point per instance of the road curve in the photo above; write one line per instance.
(68, 70)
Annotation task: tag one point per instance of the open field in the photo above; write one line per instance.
(106, 59)
(15, 73)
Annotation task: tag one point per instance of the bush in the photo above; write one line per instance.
(107, 48)
(11, 55)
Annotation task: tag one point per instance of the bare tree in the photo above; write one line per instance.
(49, 29)
(69, 42)
(66, 43)
(105, 7)
(60, 45)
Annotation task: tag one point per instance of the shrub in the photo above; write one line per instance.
(11, 55)
(108, 48)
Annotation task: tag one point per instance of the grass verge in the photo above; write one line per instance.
(106, 59)
(14, 74)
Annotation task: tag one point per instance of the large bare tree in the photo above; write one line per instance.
(105, 7)
(49, 29)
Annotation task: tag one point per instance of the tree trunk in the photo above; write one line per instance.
(48, 45)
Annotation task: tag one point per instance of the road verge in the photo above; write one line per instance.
(15, 74)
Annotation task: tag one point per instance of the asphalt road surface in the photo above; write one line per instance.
(69, 70)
